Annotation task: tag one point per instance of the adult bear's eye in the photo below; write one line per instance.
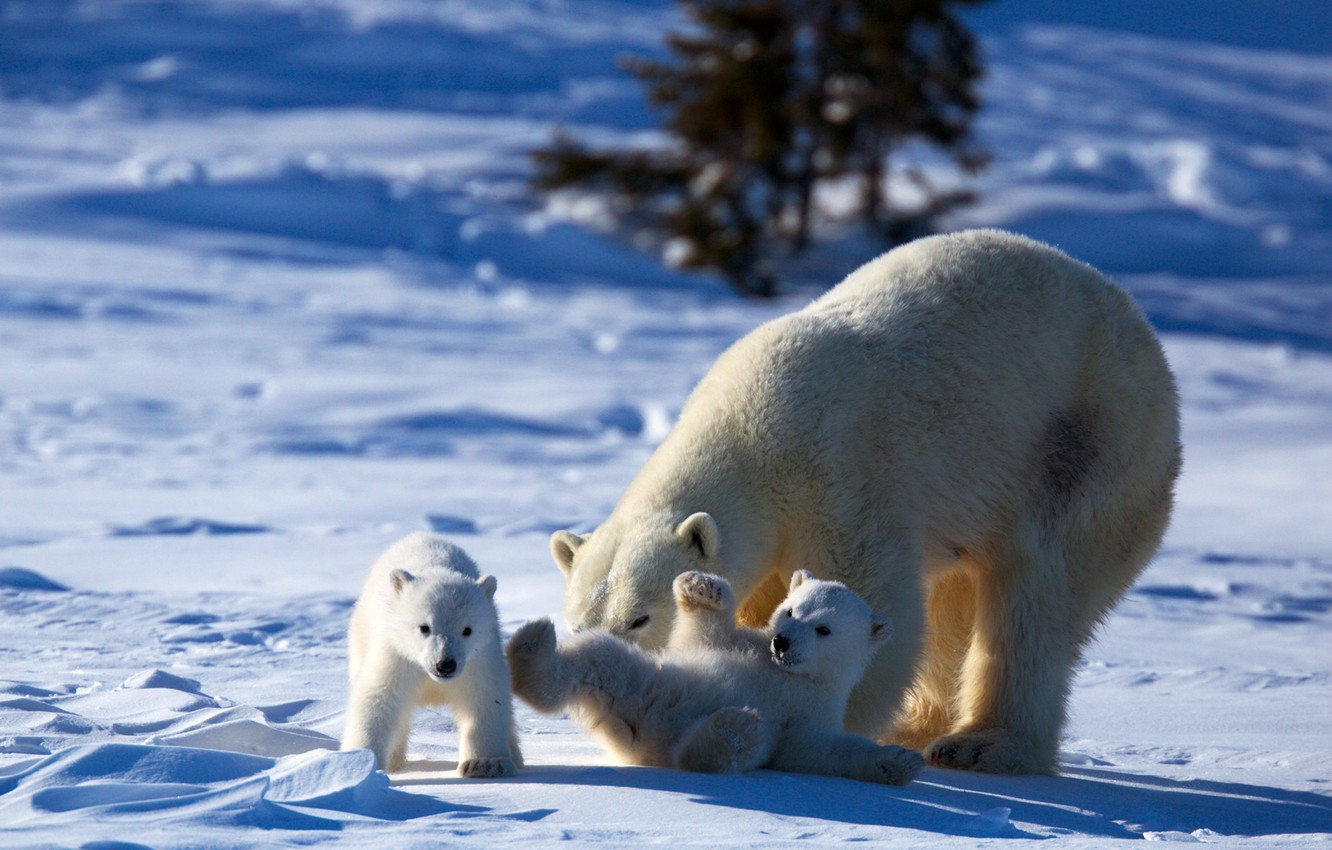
(822, 631)
(425, 630)
(467, 632)
(639, 623)
(790, 612)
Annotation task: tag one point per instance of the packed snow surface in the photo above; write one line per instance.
(273, 293)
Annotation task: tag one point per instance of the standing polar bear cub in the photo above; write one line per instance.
(425, 632)
(976, 433)
(722, 699)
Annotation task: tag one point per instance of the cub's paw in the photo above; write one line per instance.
(532, 662)
(990, 751)
(487, 768)
(534, 639)
(695, 591)
(897, 765)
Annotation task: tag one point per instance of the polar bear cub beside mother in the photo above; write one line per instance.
(425, 632)
(976, 433)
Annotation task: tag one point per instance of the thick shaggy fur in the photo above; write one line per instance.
(425, 632)
(976, 433)
(715, 701)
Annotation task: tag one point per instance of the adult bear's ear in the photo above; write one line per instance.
(881, 628)
(488, 584)
(563, 544)
(400, 579)
(701, 533)
(798, 578)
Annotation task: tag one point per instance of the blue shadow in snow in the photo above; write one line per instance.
(1086, 801)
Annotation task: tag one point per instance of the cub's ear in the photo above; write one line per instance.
(701, 533)
(798, 578)
(881, 628)
(563, 545)
(400, 579)
(488, 584)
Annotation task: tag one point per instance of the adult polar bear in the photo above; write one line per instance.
(975, 432)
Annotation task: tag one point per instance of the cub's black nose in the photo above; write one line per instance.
(446, 668)
(780, 644)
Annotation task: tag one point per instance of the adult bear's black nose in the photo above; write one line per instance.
(779, 645)
(446, 668)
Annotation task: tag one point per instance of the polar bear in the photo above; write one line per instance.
(975, 432)
(721, 699)
(425, 632)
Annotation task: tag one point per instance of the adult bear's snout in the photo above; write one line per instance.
(780, 645)
(446, 668)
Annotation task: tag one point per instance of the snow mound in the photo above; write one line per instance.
(251, 736)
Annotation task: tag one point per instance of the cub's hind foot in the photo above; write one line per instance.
(894, 765)
(729, 740)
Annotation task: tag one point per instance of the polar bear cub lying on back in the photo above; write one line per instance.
(425, 632)
(720, 698)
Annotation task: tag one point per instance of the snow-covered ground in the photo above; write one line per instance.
(272, 293)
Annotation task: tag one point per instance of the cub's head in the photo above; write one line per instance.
(439, 621)
(825, 631)
(619, 577)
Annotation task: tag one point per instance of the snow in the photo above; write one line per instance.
(272, 293)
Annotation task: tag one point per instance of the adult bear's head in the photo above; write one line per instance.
(618, 578)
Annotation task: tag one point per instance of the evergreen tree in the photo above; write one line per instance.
(766, 100)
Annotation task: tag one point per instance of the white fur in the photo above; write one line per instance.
(976, 433)
(715, 700)
(420, 581)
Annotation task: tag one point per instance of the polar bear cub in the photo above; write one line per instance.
(425, 632)
(718, 698)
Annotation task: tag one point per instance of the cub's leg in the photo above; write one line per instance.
(931, 704)
(536, 672)
(593, 668)
(730, 740)
(483, 714)
(850, 756)
(1015, 680)
(379, 708)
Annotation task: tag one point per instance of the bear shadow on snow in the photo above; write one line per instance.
(1084, 801)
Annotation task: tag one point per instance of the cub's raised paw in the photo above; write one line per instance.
(702, 591)
(991, 751)
(897, 765)
(532, 665)
(487, 768)
(533, 638)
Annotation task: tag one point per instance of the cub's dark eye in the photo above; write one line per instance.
(467, 632)
(822, 631)
(790, 612)
(425, 630)
(639, 623)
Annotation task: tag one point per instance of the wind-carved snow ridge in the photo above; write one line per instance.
(273, 293)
